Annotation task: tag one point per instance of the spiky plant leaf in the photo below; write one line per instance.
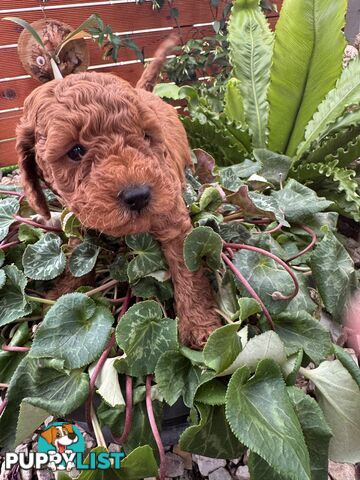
(307, 61)
(233, 101)
(330, 145)
(251, 44)
(345, 94)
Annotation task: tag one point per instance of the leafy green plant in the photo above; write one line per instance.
(288, 94)
(265, 253)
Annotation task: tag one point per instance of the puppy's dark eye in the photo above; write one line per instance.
(76, 153)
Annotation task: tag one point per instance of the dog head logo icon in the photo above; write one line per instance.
(62, 440)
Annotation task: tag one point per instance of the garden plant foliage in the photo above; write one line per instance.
(264, 230)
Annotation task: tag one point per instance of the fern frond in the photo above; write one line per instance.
(251, 43)
(345, 94)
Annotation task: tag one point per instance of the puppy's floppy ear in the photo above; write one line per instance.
(25, 147)
(38, 100)
(49, 435)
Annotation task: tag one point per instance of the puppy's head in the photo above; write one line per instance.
(60, 435)
(98, 147)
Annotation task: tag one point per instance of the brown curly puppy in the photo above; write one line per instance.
(116, 157)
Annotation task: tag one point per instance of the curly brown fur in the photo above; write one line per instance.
(130, 137)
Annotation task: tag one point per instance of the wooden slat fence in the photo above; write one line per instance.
(146, 26)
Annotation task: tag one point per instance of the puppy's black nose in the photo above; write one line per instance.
(136, 197)
(72, 435)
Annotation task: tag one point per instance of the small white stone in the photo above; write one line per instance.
(207, 465)
(242, 473)
(341, 471)
(220, 474)
(174, 465)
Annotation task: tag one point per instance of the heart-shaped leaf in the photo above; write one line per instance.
(75, 329)
(300, 330)
(44, 260)
(13, 304)
(28, 234)
(266, 277)
(83, 259)
(201, 243)
(43, 383)
(248, 307)
(334, 274)
(231, 177)
(148, 257)
(144, 335)
(212, 436)
(261, 416)
(339, 398)
(316, 431)
(265, 346)
(275, 167)
(8, 208)
(298, 201)
(348, 362)
(222, 347)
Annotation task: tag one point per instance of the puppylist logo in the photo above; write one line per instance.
(61, 446)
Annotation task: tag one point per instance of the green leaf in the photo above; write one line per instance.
(210, 201)
(264, 346)
(83, 259)
(261, 470)
(70, 224)
(211, 393)
(345, 94)
(260, 414)
(28, 27)
(138, 464)
(75, 330)
(144, 335)
(8, 208)
(251, 43)
(348, 362)
(44, 260)
(30, 418)
(13, 304)
(275, 167)
(299, 201)
(265, 276)
(233, 102)
(292, 366)
(167, 90)
(339, 398)
(171, 374)
(202, 242)
(312, 31)
(333, 272)
(212, 436)
(148, 257)
(107, 383)
(29, 234)
(44, 384)
(118, 269)
(2, 278)
(300, 330)
(248, 307)
(316, 431)
(150, 287)
(2, 258)
(222, 347)
(230, 177)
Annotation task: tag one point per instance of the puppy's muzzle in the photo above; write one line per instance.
(135, 197)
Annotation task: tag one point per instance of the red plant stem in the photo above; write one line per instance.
(14, 348)
(128, 412)
(115, 301)
(311, 232)
(249, 288)
(154, 429)
(35, 224)
(106, 286)
(16, 194)
(4, 246)
(3, 405)
(279, 296)
(272, 230)
(101, 361)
